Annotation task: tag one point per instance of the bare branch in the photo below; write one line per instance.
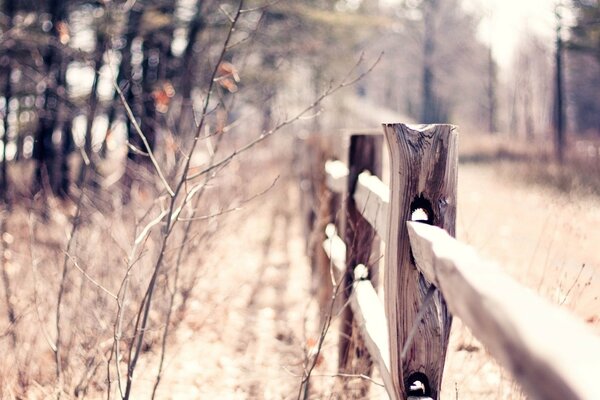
(62, 286)
(265, 135)
(141, 322)
(88, 277)
(138, 130)
(229, 210)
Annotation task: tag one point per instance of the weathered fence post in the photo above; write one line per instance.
(320, 207)
(423, 175)
(361, 248)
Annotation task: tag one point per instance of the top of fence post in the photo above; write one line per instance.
(423, 175)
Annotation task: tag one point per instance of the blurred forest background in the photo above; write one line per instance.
(61, 62)
(128, 127)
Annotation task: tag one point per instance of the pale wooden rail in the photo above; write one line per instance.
(335, 248)
(370, 317)
(551, 354)
(372, 197)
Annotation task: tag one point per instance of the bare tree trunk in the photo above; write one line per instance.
(101, 45)
(491, 92)
(186, 82)
(145, 100)
(67, 148)
(429, 112)
(559, 112)
(7, 95)
(44, 152)
(9, 11)
(527, 110)
(124, 75)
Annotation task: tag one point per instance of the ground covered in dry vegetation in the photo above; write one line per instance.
(244, 330)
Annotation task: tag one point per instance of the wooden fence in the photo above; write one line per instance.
(428, 277)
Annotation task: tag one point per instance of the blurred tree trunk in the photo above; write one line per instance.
(188, 77)
(124, 76)
(559, 112)
(584, 65)
(67, 148)
(528, 113)
(168, 66)
(44, 152)
(6, 71)
(269, 90)
(144, 99)
(428, 103)
(101, 47)
(60, 178)
(491, 92)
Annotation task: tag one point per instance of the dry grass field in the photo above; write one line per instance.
(243, 317)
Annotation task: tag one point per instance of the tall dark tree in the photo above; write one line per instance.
(491, 92)
(585, 33)
(559, 108)
(124, 75)
(5, 73)
(53, 94)
(429, 106)
(583, 73)
(186, 80)
(102, 43)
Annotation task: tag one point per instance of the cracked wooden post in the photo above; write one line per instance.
(362, 247)
(423, 175)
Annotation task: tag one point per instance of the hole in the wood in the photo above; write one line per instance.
(417, 384)
(421, 210)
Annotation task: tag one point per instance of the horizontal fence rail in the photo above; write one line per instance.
(370, 316)
(551, 354)
(335, 248)
(371, 195)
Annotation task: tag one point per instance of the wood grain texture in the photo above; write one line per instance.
(423, 172)
(361, 248)
(550, 353)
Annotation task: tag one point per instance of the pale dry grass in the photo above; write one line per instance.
(244, 317)
(97, 260)
(109, 247)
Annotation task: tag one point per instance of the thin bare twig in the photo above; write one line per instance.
(229, 210)
(141, 322)
(178, 263)
(62, 286)
(307, 372)
(572, 285)
(340, 375)
(265, 135)
(34, 262)
(138, 130)
(6, 281)
(88, 277)
(260, 8)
